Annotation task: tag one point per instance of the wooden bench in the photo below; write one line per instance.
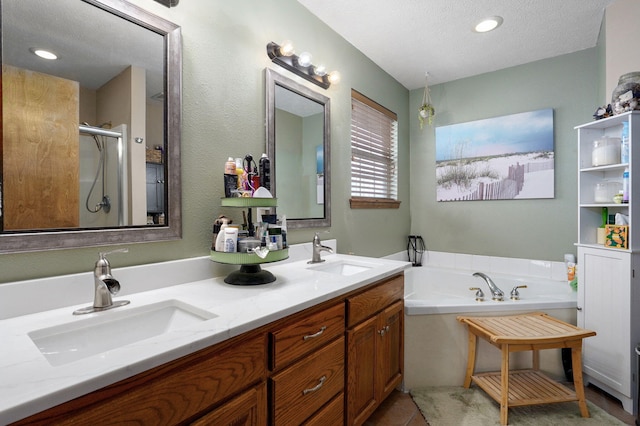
(525, 332)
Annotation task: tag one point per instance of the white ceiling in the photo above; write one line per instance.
(408, 38)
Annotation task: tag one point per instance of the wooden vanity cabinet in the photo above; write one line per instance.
(179, 392)
(375, 342)
(307, 357)
(331, 364)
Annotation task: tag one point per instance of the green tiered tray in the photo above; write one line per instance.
(248, 202)
(250, 272)
(248, 258)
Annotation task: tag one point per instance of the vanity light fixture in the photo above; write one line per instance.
(488, 24)
(44, 54)
(301, 65)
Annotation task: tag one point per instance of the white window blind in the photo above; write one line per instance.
(374, 149)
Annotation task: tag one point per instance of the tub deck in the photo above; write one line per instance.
(525, 332)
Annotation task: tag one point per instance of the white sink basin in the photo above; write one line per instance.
(108, 330)
(343, 267)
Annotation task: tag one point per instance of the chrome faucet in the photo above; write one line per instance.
(317, 248)
(105, 285)
(496, 293)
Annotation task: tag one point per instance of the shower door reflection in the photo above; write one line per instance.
(103, 177)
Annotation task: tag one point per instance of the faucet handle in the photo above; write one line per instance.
(479, 293)
(102, 264)
(515, 295)
(120, 250)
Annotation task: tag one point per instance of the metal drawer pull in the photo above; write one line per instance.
(316, 387)
(311, 336)
(384, 330)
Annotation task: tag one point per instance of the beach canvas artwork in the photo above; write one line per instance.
(502, 158)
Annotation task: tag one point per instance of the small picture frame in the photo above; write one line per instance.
(616, 236)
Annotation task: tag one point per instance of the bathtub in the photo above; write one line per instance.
(436, 343)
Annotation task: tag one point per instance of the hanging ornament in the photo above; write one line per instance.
(426, 110)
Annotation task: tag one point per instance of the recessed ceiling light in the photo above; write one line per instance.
(45, 54)
(488, 24)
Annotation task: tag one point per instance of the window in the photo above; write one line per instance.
(374, 154)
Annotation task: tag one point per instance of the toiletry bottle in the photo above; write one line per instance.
(239, 172)
(230, 239)
(220, 237)
(216, 231)
(625, 186)
(265, 172)
(624, 143)
(230, 167)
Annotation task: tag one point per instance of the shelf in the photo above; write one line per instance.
(248, 202)
(526, 387)
(614, 167)
(602, 247)
(614, 205)
(607, 122)
(248, 258)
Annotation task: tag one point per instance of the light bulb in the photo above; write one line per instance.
(320, 70)
(45, 54)
(488, 24)
(304, 59)
(334, 77)
(286, 48)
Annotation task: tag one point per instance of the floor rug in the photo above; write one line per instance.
(457, 406)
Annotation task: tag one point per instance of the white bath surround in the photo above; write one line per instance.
(436, 343)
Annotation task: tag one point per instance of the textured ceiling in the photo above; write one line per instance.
(408, 38)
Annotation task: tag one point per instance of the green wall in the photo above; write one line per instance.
(541, 229)
(223, 109)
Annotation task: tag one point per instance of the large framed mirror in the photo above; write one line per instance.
(299, 147)
(90, 140)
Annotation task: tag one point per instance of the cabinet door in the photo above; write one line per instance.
(603, 294)
(155, 188)
(390, 349)
(361, 364)
(247, 409)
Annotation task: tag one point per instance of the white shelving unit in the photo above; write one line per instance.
(608, 289)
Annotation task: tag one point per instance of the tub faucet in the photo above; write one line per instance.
(496, 293)
(317, 247)
(104, 285)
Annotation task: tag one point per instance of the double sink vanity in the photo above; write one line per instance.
(189, 348)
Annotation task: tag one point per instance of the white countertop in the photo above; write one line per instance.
(30, 384)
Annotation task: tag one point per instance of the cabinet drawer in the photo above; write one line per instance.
(303, 388)
(247, 409)
(369, 302)
(330, 414)
(303, 336)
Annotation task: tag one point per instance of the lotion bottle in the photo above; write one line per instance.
(220, 238)
(230, 240)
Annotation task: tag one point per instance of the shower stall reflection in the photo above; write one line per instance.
(103, 176)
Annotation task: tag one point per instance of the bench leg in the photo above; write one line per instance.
(535, 355)
(504, 381)
(576, 359)
(471, 359)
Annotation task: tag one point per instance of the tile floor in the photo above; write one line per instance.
(400, 410)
